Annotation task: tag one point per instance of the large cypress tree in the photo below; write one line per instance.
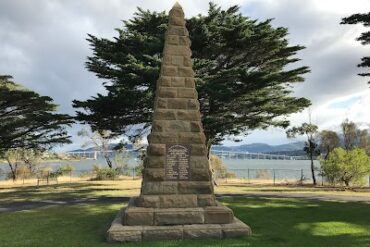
(364, 38)
(28, 120)
(244, 72)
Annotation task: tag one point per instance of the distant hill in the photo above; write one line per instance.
(295, 148)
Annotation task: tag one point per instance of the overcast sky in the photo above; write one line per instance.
(43, 47)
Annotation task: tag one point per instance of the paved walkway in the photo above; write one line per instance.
(27, 205)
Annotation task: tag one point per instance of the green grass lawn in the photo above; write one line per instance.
(275, 222)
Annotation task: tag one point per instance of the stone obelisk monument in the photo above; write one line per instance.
(177, 199)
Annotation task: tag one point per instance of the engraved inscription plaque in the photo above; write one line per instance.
(177, 162)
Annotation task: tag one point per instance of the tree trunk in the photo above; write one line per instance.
(313, 170)
(109, 162)
(13, 170)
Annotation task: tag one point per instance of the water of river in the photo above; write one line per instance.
(242, 168)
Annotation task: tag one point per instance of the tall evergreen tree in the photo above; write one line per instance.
(28, 120)
(364, 38)
(244, 72)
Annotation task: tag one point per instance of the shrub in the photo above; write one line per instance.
(64, 170)
(262, 174)
(348, 167)
(105, 173)
(218, 168)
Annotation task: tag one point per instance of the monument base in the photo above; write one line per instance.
(134, 224)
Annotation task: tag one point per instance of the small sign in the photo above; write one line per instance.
(177, 162)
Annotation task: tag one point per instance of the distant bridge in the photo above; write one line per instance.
(255, 156)
(222, 154)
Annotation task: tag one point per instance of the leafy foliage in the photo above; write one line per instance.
(328, 141)
(28, 120)
(244, 69)
(311, 146)
(364, 38)
(346, 166)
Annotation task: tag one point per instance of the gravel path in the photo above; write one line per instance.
(27, 205)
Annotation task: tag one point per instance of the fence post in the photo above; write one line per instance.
(133, 173)
(274, 175)
(248, 176)
(70, 176)
(23, 176)
(47, 178)
(302, 176)
(322, 178)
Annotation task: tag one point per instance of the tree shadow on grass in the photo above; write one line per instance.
(61, 192)
(295, 222)
(274, 222)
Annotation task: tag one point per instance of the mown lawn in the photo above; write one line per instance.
(275, 222)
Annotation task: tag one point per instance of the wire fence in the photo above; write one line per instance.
(245, 175)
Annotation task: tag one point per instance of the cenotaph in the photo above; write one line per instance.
(177, 199)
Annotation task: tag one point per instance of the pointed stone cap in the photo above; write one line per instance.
(176, 15)
(177, 5)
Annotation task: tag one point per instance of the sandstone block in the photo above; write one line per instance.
(176, 50)
(185, 71)
(178, 201)
(196, 138)
(178, 126)
(167, 92)
(162, 232)
(119, 233)
(218, 215)
(154, 162)
(177, 82)
(158, 126)
(168, 70)
(189, 82)
(189, 93)
(193, 104)
(188, 115)
(162, 138)
(180, 216)
(157, 149)
(176, 12)
(164, 81)
(202, 231)
(199, 162)
(148, 201)
(187, 62)
(176, 30)
(154, 174)
(200, 174)
(177, 104)
(172, 39)
(177, 21)
(166, 60)
(153, 188)
(135, 216)
(195, 126)
(192, 187)
(177, 60)
(198, 149)
(206, 200)
(183, 40)
(161, 103)
(236, 229)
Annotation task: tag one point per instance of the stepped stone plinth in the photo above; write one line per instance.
(177, 199)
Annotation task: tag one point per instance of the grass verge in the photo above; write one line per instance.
(275, 222)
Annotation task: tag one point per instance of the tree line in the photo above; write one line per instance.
(344, 157)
